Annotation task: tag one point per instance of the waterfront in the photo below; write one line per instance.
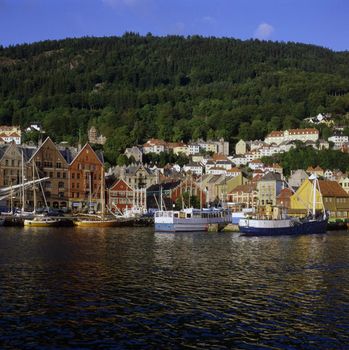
(130, 287)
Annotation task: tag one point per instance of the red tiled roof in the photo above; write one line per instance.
(276, 134)
(217, 157)
(332, 189)
(285, 193)
(234, 170)
(303, 131)
(247, 188)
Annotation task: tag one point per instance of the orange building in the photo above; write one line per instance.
(86, 173)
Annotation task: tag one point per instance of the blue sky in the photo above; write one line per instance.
(320, 22)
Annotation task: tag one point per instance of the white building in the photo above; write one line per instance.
(194, 168)
(302, 135)
(154, 146)
(339, 140)
(193, 148)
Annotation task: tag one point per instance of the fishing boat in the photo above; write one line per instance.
(287, 225)
(190, 220)
(42, 222)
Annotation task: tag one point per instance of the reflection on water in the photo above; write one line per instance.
(126, 288)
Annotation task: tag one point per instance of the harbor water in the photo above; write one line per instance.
(121, 288)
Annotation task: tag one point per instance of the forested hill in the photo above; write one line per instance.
(134, 87)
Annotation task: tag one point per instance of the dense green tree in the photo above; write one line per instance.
(135, 87)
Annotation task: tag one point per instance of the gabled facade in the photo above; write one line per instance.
(51, 163)
(329, 194)
(140, 177)
(86, 174)
(240, 147)
(122, 197)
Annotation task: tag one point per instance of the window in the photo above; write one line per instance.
(64, 175)
(78, 176)
(58, 174)
(51, 174)
(58, 165)
(61, 184)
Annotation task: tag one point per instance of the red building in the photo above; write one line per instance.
(121, 196)
(85, 175)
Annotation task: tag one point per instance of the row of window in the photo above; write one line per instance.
(83, 166)
(122, 201)
(121, 193)
(48, 184)
(59, 175)
(82, 195)
(48, 164)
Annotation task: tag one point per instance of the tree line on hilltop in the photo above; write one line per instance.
(174, 88)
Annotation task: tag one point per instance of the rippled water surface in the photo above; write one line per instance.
(132, 288)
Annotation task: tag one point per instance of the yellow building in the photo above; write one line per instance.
(331, 194)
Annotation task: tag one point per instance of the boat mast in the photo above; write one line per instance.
(314, 196)
(34, 191)
(89, 192)
(23, 192)
(102, 191)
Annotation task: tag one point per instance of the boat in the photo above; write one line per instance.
(286, 225)
(98, 220)
(190, 220)
(42, 222)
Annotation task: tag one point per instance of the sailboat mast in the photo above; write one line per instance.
(34, 191)
(102, 191)
(23, 192)
(89, 192)
(314, 197)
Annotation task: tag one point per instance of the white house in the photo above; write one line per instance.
(194, 168)
(338, 140)
(154, 146)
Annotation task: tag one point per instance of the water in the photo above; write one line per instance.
(122, 288)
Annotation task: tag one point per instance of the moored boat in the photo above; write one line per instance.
(291, 226)
(42, 222)
(287, 225)
(98, 222)
(190, 220)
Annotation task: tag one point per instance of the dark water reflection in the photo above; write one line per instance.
(131, 288)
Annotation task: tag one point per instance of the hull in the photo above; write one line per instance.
(41, 223)
(307, 227)
(181, 227)
(97, 223)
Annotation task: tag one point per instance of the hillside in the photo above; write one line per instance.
(135, 87)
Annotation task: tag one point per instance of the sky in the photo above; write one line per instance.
(320, 22)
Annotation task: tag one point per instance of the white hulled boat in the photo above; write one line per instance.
(190, 220)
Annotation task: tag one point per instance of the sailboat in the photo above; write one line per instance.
(35, 220)
(287, 225)
(97, 221)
